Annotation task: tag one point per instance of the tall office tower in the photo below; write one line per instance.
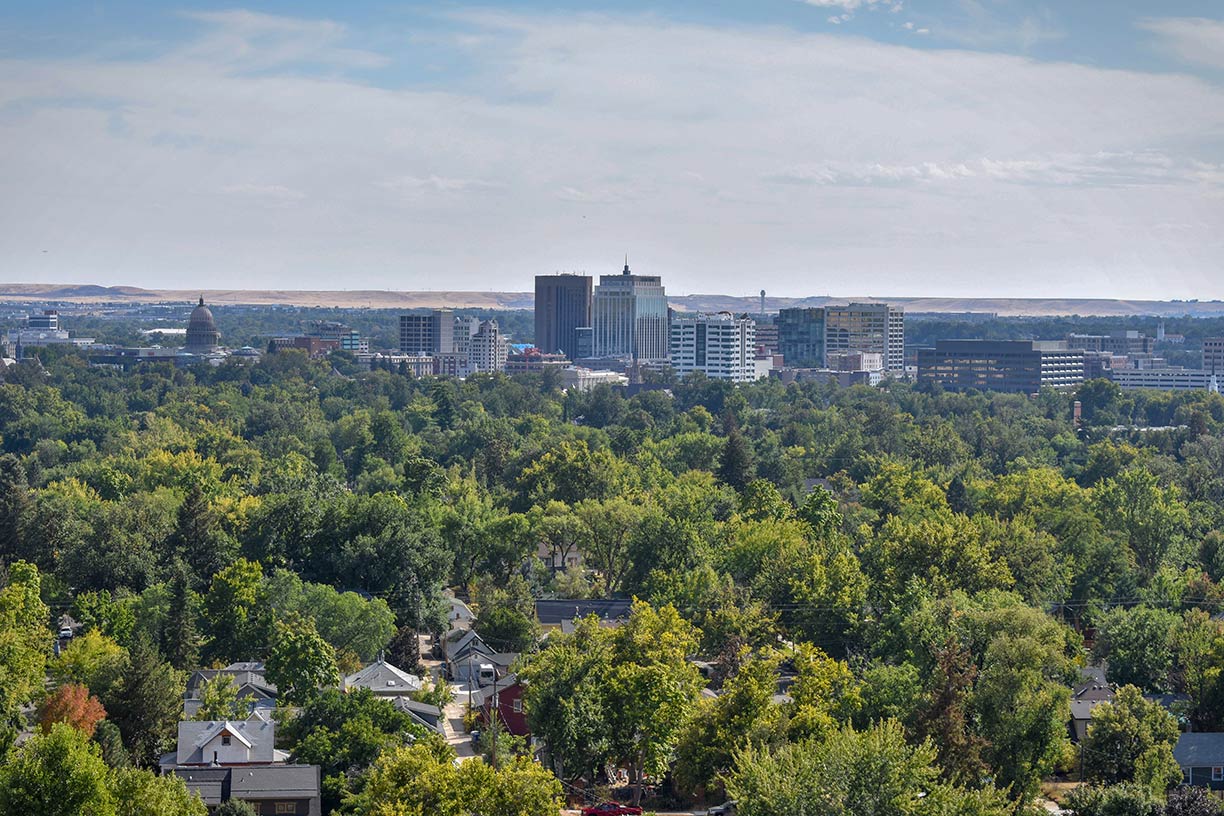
(1213, 354)
(629, 315)
(562, 306)
(466, 327)
(431, 333)
(874, 327)
(801, 337)
(721, 346)
(487, 348)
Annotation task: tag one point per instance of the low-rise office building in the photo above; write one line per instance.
(1165, 379)
(1017, 366)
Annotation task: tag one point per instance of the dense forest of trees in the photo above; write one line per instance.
(929, 570)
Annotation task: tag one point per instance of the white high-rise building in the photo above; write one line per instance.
(466, 327)
(629, 316)
(487, 348)
(721, 346)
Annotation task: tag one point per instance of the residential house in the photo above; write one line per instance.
(459, 614)
(423, 714)
(1201, 758)
(227, 759)
(471, 661)
(1090, 692)
(507, 696)
(561, 614)
(248, 677)
(384, 680)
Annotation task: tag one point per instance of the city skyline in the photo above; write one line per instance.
(914, 148)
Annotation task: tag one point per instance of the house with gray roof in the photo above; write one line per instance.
(1201, 758)
(421, 713)
(227, 759)
(384, 680)
(225, 742)
(561, 613)
(1090, 692)
(248, 679)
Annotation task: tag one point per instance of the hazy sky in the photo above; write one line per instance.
(875, 147)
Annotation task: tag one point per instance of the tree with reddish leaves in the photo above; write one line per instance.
(73, 704)
(946, 716)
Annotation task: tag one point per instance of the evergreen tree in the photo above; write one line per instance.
(404, 650)
(735, 464)
(180, 637)
(147, 703)
(14, 509)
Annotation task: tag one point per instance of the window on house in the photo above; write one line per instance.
(286, 807)
(225, 739)
(518, 706)
(1217, 774)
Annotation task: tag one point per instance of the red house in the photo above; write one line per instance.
(507, 696)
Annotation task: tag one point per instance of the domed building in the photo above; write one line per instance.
(202, 334)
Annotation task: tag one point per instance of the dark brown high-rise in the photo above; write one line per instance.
(562, 306)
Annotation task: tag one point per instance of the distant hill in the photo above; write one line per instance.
(387, 299)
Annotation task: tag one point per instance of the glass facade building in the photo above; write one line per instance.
(1018, 366)
(629, 317)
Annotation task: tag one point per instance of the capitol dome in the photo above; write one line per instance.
(202, 334)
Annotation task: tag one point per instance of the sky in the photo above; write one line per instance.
(959, 148)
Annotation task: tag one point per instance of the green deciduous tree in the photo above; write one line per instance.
(219, 700)
(423, 780)
(1114, 800)
(59, 773)
(1137, 642)
(142, 793)
(852, 773)
(1131, 740)
(300, 662)
(235, 614)
(25, 640)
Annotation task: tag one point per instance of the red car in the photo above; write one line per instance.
(611, 809)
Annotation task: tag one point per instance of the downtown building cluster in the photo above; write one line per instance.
(624, 323)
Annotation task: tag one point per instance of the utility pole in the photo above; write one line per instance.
(496, 724)
(469, 681)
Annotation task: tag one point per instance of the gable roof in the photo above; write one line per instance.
(1199, 750)
(275, 782)
(460, 641)
(556, 612)
(258, 736)
(252, 783)
(381, 677)
(250, 683)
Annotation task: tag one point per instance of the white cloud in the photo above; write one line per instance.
(568, 139)
(1192, 39)
(848, 5)
(438, 184)
(1093, 170)
(270, 192)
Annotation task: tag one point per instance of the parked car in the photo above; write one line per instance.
(725, 809)
(65, 633)
(611, 809)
